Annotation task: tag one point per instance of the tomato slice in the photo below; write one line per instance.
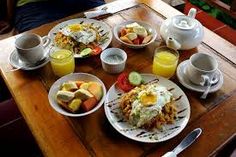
(123, 82)
(96, 50)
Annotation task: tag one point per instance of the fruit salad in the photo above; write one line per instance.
(79, 96)
(135, 34)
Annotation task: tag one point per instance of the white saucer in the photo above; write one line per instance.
(17, 63)
(181, 74)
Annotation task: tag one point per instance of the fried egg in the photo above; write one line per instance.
(80, 33)
(149, 104)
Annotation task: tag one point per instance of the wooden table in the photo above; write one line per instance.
(93, 135)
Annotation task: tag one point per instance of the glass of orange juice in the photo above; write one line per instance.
(62, 62)
(165, 61)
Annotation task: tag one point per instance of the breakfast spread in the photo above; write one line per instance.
(82, 39)
(79, 96)
(135, 34)
(149, 106)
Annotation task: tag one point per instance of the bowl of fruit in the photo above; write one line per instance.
(77, 94)
(135, 34)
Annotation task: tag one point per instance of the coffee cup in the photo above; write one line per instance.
(31, 47)
(201, 69)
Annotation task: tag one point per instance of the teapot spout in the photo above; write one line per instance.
(172, 43)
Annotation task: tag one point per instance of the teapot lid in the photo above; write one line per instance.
(184, 22)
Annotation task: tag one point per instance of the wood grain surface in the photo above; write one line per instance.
(93, 135)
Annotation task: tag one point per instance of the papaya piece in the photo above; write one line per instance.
(89, 104)
(95, 89)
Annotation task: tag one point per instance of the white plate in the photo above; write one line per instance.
(181, 74)
(18, 64)
(116, 118)
(103, 27)
(73, 77)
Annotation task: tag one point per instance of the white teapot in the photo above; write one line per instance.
(182, 32)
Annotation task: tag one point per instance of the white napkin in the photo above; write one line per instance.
(92, 14)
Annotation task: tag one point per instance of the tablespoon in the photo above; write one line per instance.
(187, 141)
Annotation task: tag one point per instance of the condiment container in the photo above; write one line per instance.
(113, 60)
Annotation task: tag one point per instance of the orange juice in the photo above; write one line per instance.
(165, 62)
(62, 62)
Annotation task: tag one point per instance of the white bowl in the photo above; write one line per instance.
(149, 28)
(113, 66)
(73, 77)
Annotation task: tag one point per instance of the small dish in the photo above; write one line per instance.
(74, 77)
(181, 74)
(151, 30)
(113, 60)
(18, 64)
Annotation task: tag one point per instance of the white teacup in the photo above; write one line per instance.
(31, 47)
(202, 69)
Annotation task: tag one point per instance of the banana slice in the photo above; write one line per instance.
(65, 96)
(131, 36)
(69, 86)
(135, 24)
(141, 31)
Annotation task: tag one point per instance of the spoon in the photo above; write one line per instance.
(209, 84)
(187, 141)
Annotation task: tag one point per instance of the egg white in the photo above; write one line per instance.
(85, 35)
(142, 114)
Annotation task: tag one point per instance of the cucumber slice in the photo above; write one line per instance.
(86, 52)
(135, 78)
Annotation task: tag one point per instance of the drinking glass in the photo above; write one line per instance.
(165, 61)
(62, 62)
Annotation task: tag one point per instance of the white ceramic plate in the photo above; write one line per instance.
(116, 118)
(102, 27)
(73, 77)
(149, 28)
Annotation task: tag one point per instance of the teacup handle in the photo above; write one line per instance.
(207, 79)
(46, 41)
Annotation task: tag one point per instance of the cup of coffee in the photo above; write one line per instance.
(202, 69)
(31, 47)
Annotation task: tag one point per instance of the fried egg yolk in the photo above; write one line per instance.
(148, 98)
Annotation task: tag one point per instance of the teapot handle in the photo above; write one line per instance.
(192, 13)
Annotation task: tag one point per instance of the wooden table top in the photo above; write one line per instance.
(92, 135)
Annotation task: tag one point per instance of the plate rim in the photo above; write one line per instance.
(144, 141)
(50, 33)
